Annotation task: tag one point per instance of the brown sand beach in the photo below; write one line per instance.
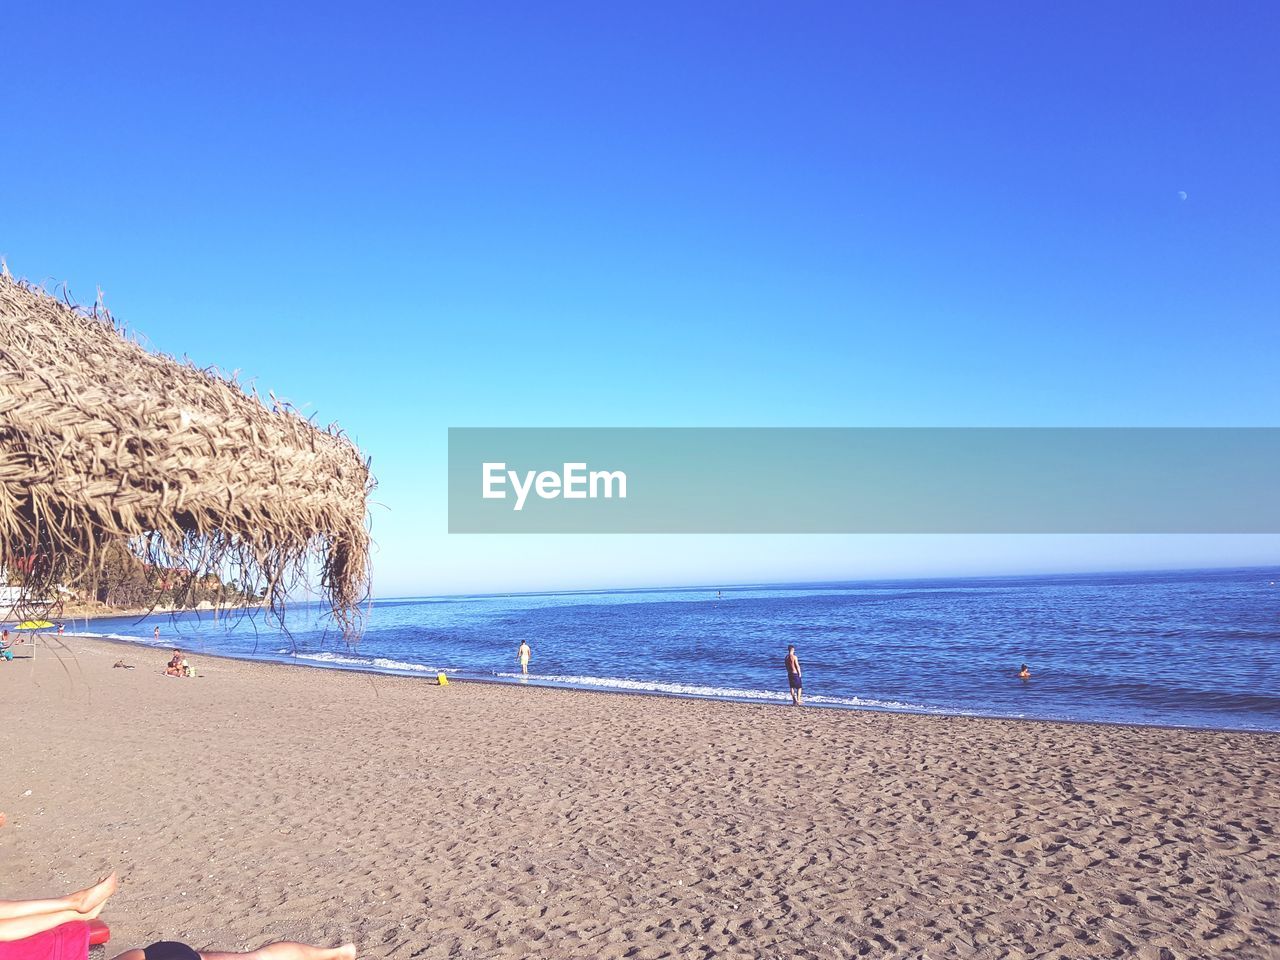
(260, 801)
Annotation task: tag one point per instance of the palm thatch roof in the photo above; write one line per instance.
(102, 441)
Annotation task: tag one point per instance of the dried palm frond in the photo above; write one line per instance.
(102, 441)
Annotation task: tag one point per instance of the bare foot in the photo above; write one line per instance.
(91, 900)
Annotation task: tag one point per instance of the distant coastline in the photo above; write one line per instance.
(94, 610)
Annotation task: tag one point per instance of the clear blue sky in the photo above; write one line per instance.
(672, 214)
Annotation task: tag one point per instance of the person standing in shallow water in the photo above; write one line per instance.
(523, 655)
(793, 677)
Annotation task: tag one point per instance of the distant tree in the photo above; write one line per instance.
(123, 579)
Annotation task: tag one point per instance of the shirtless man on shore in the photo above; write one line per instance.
(793, 677)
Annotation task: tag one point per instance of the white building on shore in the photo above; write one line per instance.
(9, 596)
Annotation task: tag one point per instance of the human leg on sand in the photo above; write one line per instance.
(26, 918)
(285, 950)
(86, 902)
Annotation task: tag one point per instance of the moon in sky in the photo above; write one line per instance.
(1182, 194)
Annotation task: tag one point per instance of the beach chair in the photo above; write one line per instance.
(99, 935)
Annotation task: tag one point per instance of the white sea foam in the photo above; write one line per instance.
(340, 660)
(142, 641)
(367, 663)
(721, 693)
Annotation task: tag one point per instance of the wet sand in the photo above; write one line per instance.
(260, 801)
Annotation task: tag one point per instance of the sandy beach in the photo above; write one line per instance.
(260, 801)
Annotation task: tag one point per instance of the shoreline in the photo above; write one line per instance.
(534, 684)
(1133, 651)
(141, 613)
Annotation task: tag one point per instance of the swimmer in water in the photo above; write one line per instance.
(1024, 673)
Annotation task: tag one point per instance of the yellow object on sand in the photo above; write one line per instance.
(442, 679)
(34, 625)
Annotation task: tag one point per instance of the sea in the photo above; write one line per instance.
(1197, 648)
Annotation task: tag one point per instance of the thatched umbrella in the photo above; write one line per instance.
(102, 441)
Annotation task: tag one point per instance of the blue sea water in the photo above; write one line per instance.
(1194, 648)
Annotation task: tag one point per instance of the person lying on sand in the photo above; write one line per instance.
(57, 928)
(121, 664)
(281, 950)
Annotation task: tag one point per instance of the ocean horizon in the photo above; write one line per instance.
(1186, 648)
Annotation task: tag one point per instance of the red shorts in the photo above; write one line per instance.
(67, 942)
